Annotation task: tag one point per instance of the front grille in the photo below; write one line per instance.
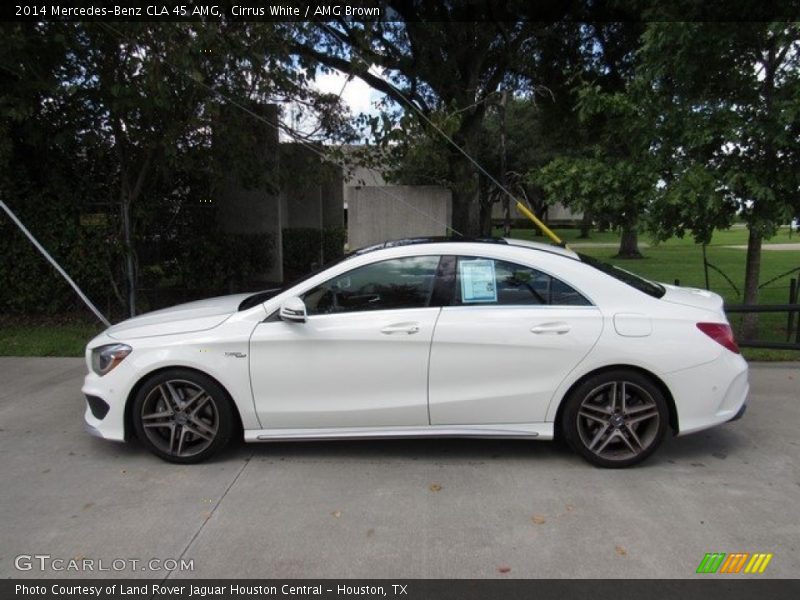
(98, 406)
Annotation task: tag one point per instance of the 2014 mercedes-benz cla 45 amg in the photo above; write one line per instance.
(425, 337)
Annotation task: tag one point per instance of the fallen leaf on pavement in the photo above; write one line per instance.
(537, 519)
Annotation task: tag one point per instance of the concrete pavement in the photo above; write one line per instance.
(402, 509)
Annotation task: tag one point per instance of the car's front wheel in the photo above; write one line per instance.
(615, 419)
(183, 416)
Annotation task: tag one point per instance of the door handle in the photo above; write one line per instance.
(558, 328)
(407, 328)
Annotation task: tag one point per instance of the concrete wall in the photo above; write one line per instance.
(556, 212)
(311, 190)
(299, 191)
(246, 208)
(379, 213)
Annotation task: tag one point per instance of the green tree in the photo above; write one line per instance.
(131, 120)
(728, 96)
(608, 171)
(447, 60)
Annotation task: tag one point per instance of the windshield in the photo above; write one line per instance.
(640, 283)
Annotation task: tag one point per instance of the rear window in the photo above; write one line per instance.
(640, 283)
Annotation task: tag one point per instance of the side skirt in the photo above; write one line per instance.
(540, 431)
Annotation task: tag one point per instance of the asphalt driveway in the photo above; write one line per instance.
(403, 509)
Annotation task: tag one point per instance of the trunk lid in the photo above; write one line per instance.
(696, 298)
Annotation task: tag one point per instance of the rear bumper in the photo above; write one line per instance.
(710, 394)
(739, 414)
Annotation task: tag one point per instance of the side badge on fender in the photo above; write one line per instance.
(236, 354)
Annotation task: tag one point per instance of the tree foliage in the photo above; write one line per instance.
(132, 123)
(438, 63)
(609, 172)
(728, 100)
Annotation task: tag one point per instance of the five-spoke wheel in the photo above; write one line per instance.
(182, 416)
(615, 419)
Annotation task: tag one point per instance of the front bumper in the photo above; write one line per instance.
(93, 431)
(110, 393)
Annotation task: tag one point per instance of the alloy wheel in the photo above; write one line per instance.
(618, 421)
(180, 418)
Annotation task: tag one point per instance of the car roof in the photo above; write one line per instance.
(551, 248)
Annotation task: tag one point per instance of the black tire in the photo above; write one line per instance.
(608, 432)
(202, 420)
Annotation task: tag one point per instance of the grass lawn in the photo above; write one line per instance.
(46, 339)
(674, 259)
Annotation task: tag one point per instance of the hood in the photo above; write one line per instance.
(695, 298)
(184, 318)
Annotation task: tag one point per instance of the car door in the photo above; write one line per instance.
(510, 338)
(361, 357)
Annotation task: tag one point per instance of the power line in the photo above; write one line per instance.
(426, 119)
(520, 206)
(279, 127)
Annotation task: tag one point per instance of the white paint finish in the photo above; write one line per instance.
(540, 431)
(633, 324)
(694, 297)
(202, 351)
(709, 394)
(184, 318)
(362, 369)
(487, 366)
(490, 367)
(675, 345)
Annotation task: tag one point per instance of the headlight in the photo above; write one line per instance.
(105, 358)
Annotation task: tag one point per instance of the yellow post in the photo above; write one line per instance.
(536, 221)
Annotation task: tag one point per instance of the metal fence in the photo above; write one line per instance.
(792, 332)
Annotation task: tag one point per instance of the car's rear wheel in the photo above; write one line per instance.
(615, 419)
(183, 416)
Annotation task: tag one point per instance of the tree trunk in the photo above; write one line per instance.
(751, 276)
(486, 218)
(130, 262)
(586, 226)
(629, 243)
(466, 205)
(503, 165)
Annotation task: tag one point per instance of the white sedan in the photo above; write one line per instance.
(425, 337)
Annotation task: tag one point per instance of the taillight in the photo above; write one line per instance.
(720, 333)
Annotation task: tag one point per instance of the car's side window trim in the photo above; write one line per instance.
(444, 284)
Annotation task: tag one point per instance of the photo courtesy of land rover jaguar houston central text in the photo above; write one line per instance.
(426, 337)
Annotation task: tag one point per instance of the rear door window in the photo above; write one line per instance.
(481, 281)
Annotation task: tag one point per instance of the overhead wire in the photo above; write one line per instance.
(520, 206)
(290, 132)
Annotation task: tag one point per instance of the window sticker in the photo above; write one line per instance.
(478, 283)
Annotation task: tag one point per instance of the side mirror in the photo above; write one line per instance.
(293, 310)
